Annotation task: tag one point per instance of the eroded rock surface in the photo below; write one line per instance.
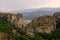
(15, 18)
(43, 24)
(4, 36)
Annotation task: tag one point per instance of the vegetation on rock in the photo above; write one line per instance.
(35, 30)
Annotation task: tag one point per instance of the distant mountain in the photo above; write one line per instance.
(32, 13)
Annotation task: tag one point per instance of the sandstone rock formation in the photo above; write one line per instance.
(14, 18)
(57, 17)
(43, 24)
(4, 36)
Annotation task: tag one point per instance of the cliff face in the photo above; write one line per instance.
(14, 18)
(43, 24)
(57, 17)
(4, 36)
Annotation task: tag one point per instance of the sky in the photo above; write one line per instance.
(6, 5)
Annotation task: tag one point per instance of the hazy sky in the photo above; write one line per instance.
(27, 4)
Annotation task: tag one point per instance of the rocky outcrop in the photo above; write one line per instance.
(14, 18)
(43, 24)
(4, 36)
(57, 17)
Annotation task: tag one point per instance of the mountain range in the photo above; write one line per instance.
(33, 13)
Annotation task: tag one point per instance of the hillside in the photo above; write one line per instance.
(44, 24)
(14, 18)
(9, 26)
(42, 28)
